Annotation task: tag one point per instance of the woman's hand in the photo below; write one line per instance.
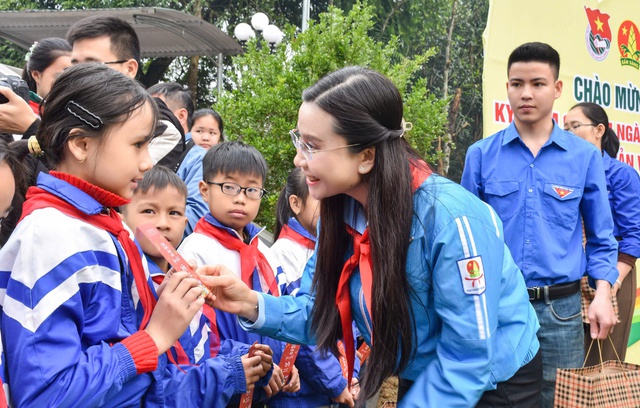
(178, 303)
(230, 294)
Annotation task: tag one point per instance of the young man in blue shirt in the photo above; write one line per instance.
(545, 184)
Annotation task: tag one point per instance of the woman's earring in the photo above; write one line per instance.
(81, 161)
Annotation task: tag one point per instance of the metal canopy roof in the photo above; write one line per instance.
(162, 32)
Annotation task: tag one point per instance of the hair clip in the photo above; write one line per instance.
(406, 126)
(34, 147)
(27, 56)
(84, 115)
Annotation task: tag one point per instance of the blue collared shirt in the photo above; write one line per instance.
(623, 188)
(542, 202)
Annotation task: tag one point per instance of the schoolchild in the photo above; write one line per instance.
(321, 380)
(206, 128)
(46, 59)
(590, 122)
(160, 199)
(544, 183)
(86, 326)
(414, 259)
(233, 176)
(296, 221)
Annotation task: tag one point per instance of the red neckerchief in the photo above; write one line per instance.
(35, 106)
(3, 397)
(250, 256)
(362, 257)
(38, 198)
(291, 234)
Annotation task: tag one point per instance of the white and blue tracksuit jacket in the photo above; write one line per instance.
(474, 326)
(196, 340)
(70, 301)
(206, 250)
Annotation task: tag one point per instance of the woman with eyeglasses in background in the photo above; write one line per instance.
(590, 122)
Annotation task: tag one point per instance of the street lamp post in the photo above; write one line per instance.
(260, 23)
(305, 14)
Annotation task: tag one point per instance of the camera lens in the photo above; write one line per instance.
(3, 99)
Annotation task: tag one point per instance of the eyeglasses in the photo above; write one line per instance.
(308, 151)
(115, 62)
(233, 189)
(577, 125)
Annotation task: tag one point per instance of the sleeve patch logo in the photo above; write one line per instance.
(472, 275)
(562, 191)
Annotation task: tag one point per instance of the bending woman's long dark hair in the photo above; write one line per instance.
(367, 111)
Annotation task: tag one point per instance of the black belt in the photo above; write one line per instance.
(554, 291)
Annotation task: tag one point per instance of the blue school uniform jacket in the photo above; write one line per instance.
(70, 302)
(474, 326)
(207, 250)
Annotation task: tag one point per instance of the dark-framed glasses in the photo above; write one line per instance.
(578, 125)
(115, 62)
(308, 151)
(233, 189)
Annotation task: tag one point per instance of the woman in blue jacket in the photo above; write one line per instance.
(415, 260)
(590, 122)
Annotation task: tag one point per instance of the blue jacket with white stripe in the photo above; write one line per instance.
(70, 303)
(474, 324)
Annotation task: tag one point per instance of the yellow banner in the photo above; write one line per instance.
(599, 47)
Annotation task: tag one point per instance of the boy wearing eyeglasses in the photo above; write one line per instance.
(160, 199)
(547, 185)
(233, 176)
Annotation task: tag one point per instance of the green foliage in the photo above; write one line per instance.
(262, 104)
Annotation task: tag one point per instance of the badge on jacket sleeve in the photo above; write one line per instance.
(472, 275)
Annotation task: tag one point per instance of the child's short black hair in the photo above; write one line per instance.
(536, 52)
(159, 178)
(233, 157)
